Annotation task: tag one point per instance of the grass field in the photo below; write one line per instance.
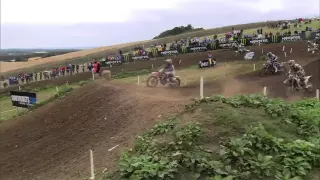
(44, 96)
(87, 55)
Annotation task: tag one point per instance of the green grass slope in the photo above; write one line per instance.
(238, 138)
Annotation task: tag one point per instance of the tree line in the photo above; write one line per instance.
(177, 30)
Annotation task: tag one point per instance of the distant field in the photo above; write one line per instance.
(80, 57)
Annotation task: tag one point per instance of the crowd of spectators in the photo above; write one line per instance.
(284, 28)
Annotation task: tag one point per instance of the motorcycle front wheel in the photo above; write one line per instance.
(152, 81)
(309, 88)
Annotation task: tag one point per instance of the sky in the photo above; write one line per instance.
(94, 23)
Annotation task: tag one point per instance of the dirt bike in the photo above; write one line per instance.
(314, 49)
(161, 77)
(293, 82)
(268, 68)
(240, 51)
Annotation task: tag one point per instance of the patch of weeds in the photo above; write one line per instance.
(262, 138)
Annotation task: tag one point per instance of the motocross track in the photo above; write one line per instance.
(53, 142)
(299, 50)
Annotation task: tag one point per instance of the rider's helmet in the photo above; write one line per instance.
(309, 42)
(269, 54)
(291, 62)
(169, 61)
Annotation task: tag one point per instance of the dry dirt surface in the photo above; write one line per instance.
(53, 142)
(298, 51)
(254, 83)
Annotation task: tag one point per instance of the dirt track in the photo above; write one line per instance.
(52, 142)
(187, 60)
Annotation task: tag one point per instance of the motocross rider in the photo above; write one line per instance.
(211, 61)
(298, 71)
(312, 46)
(169, 69)
(273, 60)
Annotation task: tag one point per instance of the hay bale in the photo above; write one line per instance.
(106, 74)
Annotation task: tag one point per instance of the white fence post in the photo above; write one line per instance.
(317, 94)
(92, 74)
(152, 66)
(201, 87)
(19, 88)
(285, 54)
(254, 67)
(138, 80)
(265, 91)
(290, 50)
(91, 165)
(283, 48)
(262, 51)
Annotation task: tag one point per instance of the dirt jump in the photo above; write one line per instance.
(53, 141)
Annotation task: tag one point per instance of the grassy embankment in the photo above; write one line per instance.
(45, 95)
(238, 138)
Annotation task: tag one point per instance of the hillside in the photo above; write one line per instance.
(87, 55)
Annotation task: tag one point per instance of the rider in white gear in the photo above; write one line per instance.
(312, 46)
(273, 60)
(170, 71)
(296, 70)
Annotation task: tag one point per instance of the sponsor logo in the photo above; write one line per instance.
(114, 62)
(291, 38)
(170, 52)
(261, 41)
(113, 58)
(198, 48)
(23, 100)
(227, 45)
(140, 57)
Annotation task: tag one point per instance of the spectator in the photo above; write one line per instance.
(77, 68)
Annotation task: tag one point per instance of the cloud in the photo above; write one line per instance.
(99, 23)
(78, 11)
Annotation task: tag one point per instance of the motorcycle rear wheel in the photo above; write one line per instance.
(175, 83)
(152, 81)
(263, 72)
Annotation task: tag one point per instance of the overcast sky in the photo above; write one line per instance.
(93, 23)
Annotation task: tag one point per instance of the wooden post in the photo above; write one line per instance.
(201, 87)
